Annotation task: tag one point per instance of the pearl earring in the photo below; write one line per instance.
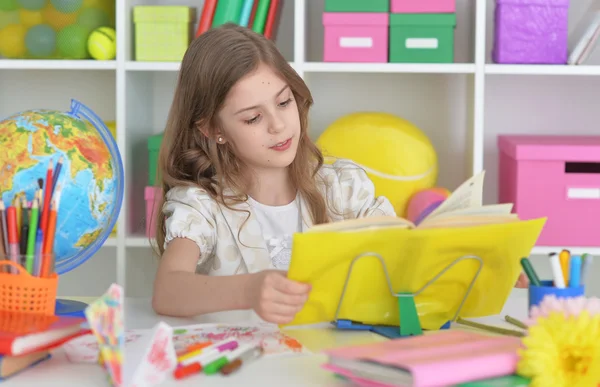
(220, 139)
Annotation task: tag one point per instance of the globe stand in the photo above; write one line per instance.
(70, 308)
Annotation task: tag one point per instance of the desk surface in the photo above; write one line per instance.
(302, 370)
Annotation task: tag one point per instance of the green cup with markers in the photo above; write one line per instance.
(569, 272)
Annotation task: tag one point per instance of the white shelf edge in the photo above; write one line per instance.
(545, 250)
(57, 64)
(158, 66)
(501, 69)
(152, 66)
(440, 68)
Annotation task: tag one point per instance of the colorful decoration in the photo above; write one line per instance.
(105, 317)
(425, 202)
(562, 347)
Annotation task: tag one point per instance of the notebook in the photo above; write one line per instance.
(412, 255)
(436, 359)
(22, 333)
(12, 365)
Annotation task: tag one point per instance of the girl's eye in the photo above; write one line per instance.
(252, 120)
(285, 103)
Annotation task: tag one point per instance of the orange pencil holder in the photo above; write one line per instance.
(25, 293)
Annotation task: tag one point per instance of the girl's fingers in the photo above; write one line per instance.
(288, 286)
(294, 300)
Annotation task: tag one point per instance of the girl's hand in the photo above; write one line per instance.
(275, 298)
(522, 282)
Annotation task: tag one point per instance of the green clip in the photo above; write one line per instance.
(409, 319)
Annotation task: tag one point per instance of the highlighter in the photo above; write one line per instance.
(575, 274)
(559, 279)
(586, 261)
(565, 257)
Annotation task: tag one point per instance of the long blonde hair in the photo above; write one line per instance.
(213, 63)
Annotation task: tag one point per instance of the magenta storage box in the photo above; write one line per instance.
(557, 177)
(151, 195)
(355, 37)
(531, 31)
(423, 6)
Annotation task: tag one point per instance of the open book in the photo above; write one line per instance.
(462, 208)
(359, 261)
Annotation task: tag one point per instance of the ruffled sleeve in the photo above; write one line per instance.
(352, 192)
(189, 214)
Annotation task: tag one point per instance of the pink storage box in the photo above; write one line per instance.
(151, 195)
(423, 6)
(356, 37)
(557, 177)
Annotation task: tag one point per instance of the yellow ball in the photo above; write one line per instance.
(396, 155)
(102, 43)
(12, 41)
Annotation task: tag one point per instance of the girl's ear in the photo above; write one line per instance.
(218, 136)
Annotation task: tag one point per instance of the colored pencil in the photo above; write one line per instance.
(4, 228)
(17, 205)
(47, 256)
(47, 195)
(3, 250)
(37, 261)
(490, 328)
(25, 212)
(32, 235)
(57, 170)
(13, 241)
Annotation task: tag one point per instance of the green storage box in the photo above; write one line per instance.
(153, 149)
(422, 38)
(357, 5)
(162, 33)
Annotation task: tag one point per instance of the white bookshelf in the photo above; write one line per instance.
(461, 106)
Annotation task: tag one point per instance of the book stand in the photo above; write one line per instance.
(409, 318)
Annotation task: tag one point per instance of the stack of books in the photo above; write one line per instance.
(26, 339)
(444, 358)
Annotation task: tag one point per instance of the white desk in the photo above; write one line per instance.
(273, 371)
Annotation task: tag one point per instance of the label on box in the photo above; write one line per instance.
(583, 193)
(356, 42)
(428, 43)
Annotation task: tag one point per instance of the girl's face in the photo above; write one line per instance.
(260, 120)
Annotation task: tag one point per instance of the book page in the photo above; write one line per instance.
(490, 209)
(363, 224)
(468, 195)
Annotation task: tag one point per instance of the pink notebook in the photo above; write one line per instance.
(437, 359)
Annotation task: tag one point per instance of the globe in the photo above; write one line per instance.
(91, 177)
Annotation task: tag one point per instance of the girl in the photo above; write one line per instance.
(240, 176)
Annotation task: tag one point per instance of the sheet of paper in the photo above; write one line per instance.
(468, 195)
(85, 349)
(269, 336)
(150, 358)
(491, 209)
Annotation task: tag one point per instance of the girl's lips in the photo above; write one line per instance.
(282, 146)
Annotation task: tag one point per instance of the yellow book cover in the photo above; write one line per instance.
(413, 255)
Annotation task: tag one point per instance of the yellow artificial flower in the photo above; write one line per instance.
(562, 351)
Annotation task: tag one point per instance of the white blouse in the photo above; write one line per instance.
(191, 213)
